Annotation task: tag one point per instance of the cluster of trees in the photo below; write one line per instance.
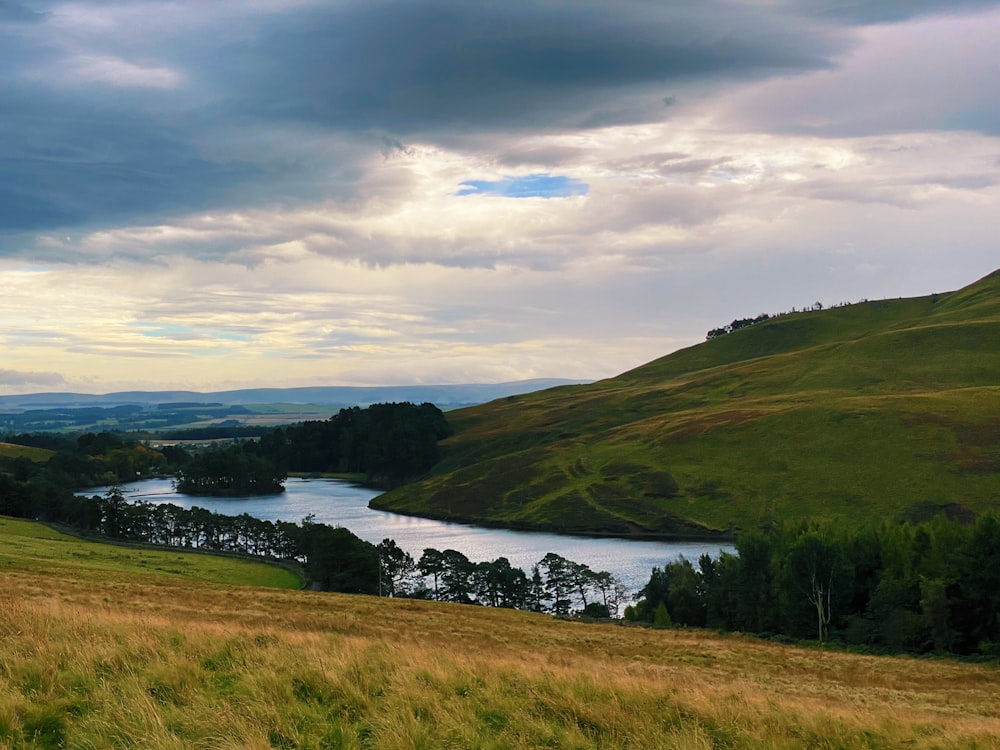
(387, 443)
(232, 470)
(555, 585)
(927, 587)
(736, 325)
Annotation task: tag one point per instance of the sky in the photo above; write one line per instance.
(240, 193)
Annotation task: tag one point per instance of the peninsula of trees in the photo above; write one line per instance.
(385, 443)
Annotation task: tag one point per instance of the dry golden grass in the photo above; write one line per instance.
(147, 661)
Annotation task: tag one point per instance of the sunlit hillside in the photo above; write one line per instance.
(886, 409)
(154, 660)
(9, 450)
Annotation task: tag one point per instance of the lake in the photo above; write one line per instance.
(338, 503)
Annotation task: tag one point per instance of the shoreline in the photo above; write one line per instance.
(637, 535)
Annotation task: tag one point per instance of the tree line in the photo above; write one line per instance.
(335, 559)
(554, 585)
(927, 587)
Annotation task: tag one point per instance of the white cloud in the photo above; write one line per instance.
(118, 72)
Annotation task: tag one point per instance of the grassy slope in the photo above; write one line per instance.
(9, 450)
(888, 408)
(158, 661)
(27, 547)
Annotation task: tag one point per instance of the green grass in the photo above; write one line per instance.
(39, 455)
(875, 410)
(26, 546)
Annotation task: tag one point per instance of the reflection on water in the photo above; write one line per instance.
(339, 503)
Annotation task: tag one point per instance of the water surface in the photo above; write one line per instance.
(338, 503)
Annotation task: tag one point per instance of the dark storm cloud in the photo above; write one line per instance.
(18, 12)
(886, 11)
(420, 66)
(79, 151)
(231, 91)
(67, 161)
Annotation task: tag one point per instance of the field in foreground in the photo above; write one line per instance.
(143, 659)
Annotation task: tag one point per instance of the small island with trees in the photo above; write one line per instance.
(232, 471)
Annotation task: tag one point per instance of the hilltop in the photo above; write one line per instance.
(883, 409)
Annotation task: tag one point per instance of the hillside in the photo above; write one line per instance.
(9, 450)
(146, 658)
(873, 410)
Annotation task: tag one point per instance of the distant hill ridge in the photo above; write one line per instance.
(883, 409)
(442, 395)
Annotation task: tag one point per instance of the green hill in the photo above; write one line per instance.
(873, 410)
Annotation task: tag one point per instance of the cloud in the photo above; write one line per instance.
(76, 162)
(198, 194)
(928, 75)
(422, 66)
(137, 111)
(31, 379)
(886, 11)
(116, 72)
(18, 12)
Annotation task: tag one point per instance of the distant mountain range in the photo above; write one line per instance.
(444, 396)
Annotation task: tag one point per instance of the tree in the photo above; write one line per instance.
(456, 577)
(337, 560)
(815, 568)
(432, 564)
(755, 604)
(113, 512)
(397, 569)
(558, 582)
(611, 591)
(686, 596)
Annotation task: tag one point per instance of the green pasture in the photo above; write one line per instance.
(29, 547)
(9, 450)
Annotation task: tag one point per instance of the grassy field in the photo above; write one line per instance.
(886, 409)
(147, 660)
(29, 548)
(9, 450)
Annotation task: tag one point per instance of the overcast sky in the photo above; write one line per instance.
(233, 193)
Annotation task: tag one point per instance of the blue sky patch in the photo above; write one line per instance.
(527, 186)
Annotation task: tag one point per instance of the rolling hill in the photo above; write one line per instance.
(885, 409)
